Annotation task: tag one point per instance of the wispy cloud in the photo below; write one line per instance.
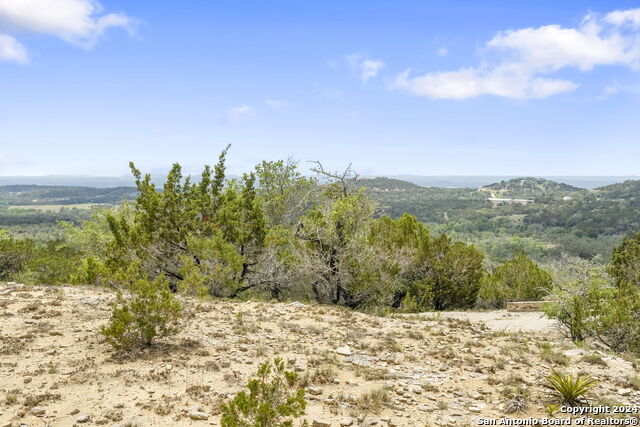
(369, 69)
(365, 67)
(517, 63)
(277, 104)
(608, 91)
(12, 50)
(238, 113)
(442, 51)
(79, 22)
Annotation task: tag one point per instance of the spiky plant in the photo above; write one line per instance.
(518, 400)
(569, 390)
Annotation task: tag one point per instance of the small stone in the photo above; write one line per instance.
(27, 380)
(38, 411)
(321, 423)
(343, 351)
(90, 301)
(315, 390)
(443, 367)
(346, 422)
(198, 415)
(624, 391)
(83, 418)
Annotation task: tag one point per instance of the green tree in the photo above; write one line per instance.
(451, 270)
(190, 229)
(14, 256)
(518, 279)
(625, 261)
(283, 191)
(334, 253)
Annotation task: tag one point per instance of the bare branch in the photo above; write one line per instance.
(347, 179)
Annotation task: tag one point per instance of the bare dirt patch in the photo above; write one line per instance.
(57, 370)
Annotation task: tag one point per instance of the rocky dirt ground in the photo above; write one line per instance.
(57, 370)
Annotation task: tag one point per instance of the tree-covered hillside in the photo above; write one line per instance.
(561, 219)
(63, 195)
(529, 188)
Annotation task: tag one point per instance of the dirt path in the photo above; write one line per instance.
(508, 321)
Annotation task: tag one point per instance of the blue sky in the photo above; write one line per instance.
(395, 87)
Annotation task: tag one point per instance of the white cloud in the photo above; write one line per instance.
(238, 113)
(79, 22)
(12, 50)
(277, 104)
(515, 63)
(442, 51)
(624, 17)
(369, 69)
(366, 68)
(470, 83)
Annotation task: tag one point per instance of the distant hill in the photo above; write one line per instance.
(626, 190)
(529, 188)
(388, 184)
(63, 195)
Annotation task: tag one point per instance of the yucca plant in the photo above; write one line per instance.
(569, 390)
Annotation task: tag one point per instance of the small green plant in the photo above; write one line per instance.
(549, 355)
(272, 400)
(594, 359)
(150, 311)
(569, 390)
(551, 409)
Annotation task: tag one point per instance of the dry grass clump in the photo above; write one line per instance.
(371, 402)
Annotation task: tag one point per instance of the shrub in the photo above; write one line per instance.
(569, 390)
(617, 322)
(604, 309)
(52, 264)
(519, 279)
(625, 261)
(453, 270)
(576, 306)
(150, 311)
(14, 255)
(271, 401)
